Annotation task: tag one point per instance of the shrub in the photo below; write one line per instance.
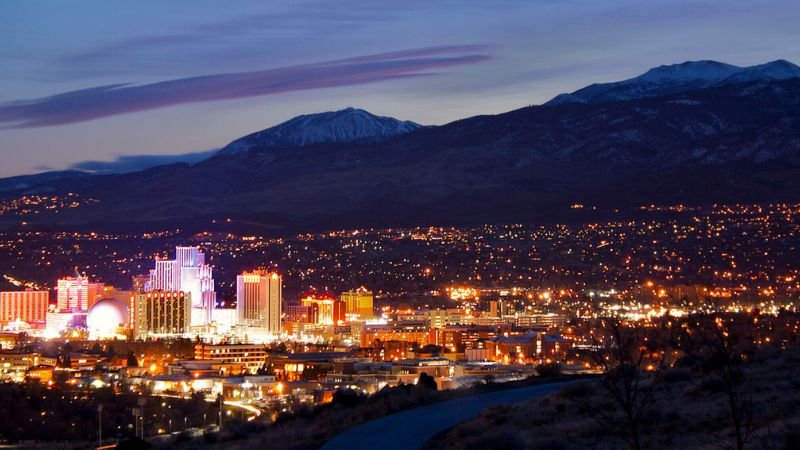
(578, 390)
(548, 370)
(652, 416)
(791, 439)
(348, 397)
(211, 437)
(713, 385)
(550, 444)
(499, 439)
(676, 374)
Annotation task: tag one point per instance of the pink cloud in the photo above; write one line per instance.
(103, 101)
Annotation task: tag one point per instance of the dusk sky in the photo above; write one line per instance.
(99, 80)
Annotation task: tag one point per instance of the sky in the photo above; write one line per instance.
(103, 85)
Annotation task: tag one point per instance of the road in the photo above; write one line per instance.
(410, 429)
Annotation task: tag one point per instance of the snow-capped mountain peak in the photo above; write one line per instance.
(775, 70)
(690, 70)
(675, 78)
(346, 125)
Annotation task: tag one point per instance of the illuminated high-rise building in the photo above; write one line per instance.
(77, 293)
(259, 300)
(297, 312)
(189, 273)
(27, 306)
(161, 313)
(358, 303)
(139, 283)
(324, 311)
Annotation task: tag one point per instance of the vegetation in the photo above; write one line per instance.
(706, 382)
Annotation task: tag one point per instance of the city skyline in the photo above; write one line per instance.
(447, 224)
(460, 60)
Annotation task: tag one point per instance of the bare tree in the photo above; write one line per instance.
(626, 353)
(718, 343)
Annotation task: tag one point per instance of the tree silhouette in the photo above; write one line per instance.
(132, 361)
(427, 381)
(622, 351)
(65, 361)
(717, 344)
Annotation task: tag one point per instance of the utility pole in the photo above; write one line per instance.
(142, 401)
(137, 412)
(221, 402)
(100, 425)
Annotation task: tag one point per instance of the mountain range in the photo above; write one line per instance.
(696, 133)
(676, 78)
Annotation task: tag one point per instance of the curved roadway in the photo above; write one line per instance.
(410, 429)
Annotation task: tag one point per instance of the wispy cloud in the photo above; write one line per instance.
(109, 100)
(133, 163)
(233, 40)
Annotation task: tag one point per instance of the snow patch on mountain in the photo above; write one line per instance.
(686, 102)
(675, 78)
(775, 70)
(689, 71)
(347, 125)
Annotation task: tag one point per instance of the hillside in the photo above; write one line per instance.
(688, 412)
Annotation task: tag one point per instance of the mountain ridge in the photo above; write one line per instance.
(675, 78)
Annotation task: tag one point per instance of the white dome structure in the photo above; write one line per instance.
(105, 318)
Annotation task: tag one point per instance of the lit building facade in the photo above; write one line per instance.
(251, 356)
(27, 306)
(298, 313)
(139, 283)
(417, 333)
(14, 365)
(225, 318)
(77, 293)
(161, 313)
(359, 303)
(324, 311)
(259, 300)
(57, 321)
(189, 273)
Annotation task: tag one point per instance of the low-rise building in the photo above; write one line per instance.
(251, 356)
(14, 365)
